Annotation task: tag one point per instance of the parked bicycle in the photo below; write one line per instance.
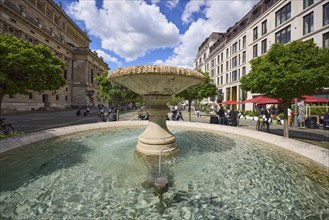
(6, 129)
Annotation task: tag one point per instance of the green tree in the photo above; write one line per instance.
(207, 89)
(287, 72)
(116, 95)
(26, 67)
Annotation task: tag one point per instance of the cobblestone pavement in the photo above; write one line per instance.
(39, 120)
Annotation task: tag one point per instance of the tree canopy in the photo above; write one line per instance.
(116, 95)
(207, 89)
(26, 67)
(288, 71)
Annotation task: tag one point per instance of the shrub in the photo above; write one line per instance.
(317, 110)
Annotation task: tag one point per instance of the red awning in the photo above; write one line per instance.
(230, 102)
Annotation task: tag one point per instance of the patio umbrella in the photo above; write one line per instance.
(263, 100)
(230, 102)
(266, 101)
(308, 98)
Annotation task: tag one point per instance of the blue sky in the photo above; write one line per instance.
(146, 32)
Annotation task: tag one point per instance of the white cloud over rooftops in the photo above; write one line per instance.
(127, 28)
(132, 29)
(107, 57)
(218, 17)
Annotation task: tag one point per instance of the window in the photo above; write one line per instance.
(264, 46)
(308, 3)
(221, 57)
(283, 36)
(65, 74)
(326, 14)
(221, 68)
(227, 67)
(57, 98)
(30, 95)
(264, 27)
(326, 40)
(244, 41)
(221, 80)
(212, 73)
(243, 71)
(235, 48)
(308, 23)
(283, 14)
(255, 33)
(234, 62)
(244, 57)
(235, 75)
(212, 63)
(255, 51)
(269, 3)
(227, 53)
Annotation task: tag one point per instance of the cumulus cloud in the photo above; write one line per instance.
(218, 16)
(127, 28)
(190, 8)
(171, 3)
(108, 58)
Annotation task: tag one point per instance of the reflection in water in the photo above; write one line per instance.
(97, 175)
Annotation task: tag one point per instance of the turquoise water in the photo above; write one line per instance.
(96, 175)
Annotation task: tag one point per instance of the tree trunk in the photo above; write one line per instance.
(189, 110)
(286, 126)
(117, 114)
(1, 97)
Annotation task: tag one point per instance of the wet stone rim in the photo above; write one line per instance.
(155, 69)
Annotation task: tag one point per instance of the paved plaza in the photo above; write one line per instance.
(28, 122)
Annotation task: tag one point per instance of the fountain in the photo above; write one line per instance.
(157, 84)
(89, 171)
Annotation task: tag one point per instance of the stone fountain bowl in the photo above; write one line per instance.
(159, 80)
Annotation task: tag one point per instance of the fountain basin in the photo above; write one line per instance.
(156, 80)
(95, 174)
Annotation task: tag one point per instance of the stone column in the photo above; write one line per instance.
(156, 135)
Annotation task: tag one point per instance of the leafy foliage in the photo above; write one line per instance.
(116, 95)
(25, 67)
(207, 89)
(289, 71)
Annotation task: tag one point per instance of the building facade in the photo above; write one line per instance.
(226, 56)
(45, 22)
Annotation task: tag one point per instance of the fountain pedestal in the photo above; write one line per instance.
(156, 135)
(156, 84)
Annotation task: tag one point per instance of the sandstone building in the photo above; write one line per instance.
(225, 56)
(45, 22)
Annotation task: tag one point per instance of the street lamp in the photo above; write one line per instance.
(89, 94)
